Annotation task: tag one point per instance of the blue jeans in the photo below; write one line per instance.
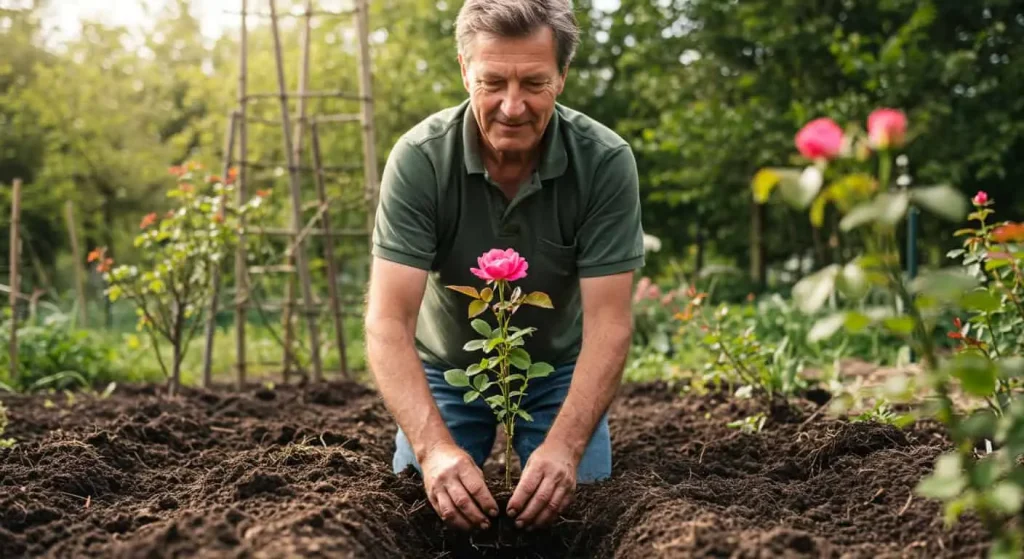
(474, 425)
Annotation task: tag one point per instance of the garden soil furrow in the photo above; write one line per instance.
(305, 472)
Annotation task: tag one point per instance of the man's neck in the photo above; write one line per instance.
(509, 169)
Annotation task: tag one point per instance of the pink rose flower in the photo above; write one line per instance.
(820, 138)
(497, 264)
(981, 198)
(887, 128)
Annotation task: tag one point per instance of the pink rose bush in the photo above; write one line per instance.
(497, 264)
(502, 375)
(980, 199)
(887, 129)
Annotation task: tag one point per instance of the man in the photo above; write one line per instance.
(509, 167)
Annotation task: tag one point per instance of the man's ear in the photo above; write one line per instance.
(465, 72)
(562, 78)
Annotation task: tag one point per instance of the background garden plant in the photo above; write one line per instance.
(171, 286)
(507, 366)
(865, 178)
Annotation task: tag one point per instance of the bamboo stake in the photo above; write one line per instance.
(298, 133)
(366, 92)
(14, 280)
(300, 254)
(241, 287)
(76, 252)
(211, 317)
(332, 268)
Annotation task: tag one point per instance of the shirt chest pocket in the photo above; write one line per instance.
(556, 259)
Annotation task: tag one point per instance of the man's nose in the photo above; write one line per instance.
(513, 105)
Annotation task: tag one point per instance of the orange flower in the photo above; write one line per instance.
(232, 174)
(96, 254)
(105, 265)
(186, 187)
(263, 193)
(213, 179)
(177, 171)
(148, 220)
(218, 218)
(1009, 233)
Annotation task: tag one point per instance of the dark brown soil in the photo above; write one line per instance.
(305, 472)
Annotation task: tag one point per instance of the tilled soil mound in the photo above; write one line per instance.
(305, 472)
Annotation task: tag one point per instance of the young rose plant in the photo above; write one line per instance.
(858, 179)
(502, 375)
(171, 284)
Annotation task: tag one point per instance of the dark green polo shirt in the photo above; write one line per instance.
(577, 216)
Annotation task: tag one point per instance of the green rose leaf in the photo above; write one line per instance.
(481, 327)
(1007, 497)
(942, 200)
(944, 285)
(981, 301)
(474, 345)
(519, 358)
(456, 377)
(539, 299)
(470, 396)
(471, 291)
(480, 382)
(946, 481)
(539, 370)
(977, 373)
(826, 327)
(522, 413)
(811, 292)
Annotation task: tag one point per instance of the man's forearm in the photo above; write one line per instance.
(595, 380)
(400, 379)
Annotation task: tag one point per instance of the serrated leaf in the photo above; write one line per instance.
(476, 308)
(942, 200)
(465, 290)
(513, 377)
(457, 378)
(473, 369)
(522, 413)
(481, 327)
(826, 327)
(519, 358)
(981, 301)
(480, 382)
(474, 345)
(521, 332)
(539, 299)
(496, 401)
(470, 396)
(539, 370)
(491, 344)
(811, 292)
(487, 294)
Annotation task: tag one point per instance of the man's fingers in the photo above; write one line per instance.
(524, 490)
(449, 512)
(559, 500)
(466, 505)
(473, 481)
(538, 501)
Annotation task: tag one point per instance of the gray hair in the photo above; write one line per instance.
(519, 18)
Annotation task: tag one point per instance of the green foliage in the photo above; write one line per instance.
(992, 486)
(172, 285)
(4, 443)
(54, 354)
(501, 377)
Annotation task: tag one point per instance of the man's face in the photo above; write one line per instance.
(512, 84)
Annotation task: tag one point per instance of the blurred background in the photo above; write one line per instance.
(98, 99)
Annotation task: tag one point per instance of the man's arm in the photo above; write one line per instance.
(404, 246)
(454, 484)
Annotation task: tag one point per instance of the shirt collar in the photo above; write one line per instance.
(554, 159)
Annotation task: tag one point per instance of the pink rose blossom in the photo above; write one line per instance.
(981, 198)
(887, 128)
(497, 264)
(820, 138)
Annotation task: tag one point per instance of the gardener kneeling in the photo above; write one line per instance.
(508, 168)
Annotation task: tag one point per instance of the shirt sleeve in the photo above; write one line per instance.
(611, 238)
(405, 224)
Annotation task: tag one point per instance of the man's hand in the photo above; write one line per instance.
(547, 486)
(456, 489)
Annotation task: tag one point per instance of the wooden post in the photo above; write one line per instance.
(332, 268)
(296, 159)
(241, 276)
(211, 317)
(76, 252)
(14, 257)
(299, 248)
(366, 93)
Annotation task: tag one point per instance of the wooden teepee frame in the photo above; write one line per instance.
(293, 133)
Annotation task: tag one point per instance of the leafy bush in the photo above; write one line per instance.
(56, 355)
(988, 366)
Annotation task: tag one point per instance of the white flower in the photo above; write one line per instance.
(811, 179)
(651, 243)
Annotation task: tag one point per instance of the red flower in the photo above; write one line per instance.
(96, 254)
(232, 174)
(148, 220)
(263, 193)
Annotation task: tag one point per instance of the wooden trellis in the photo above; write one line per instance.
(295, 128)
